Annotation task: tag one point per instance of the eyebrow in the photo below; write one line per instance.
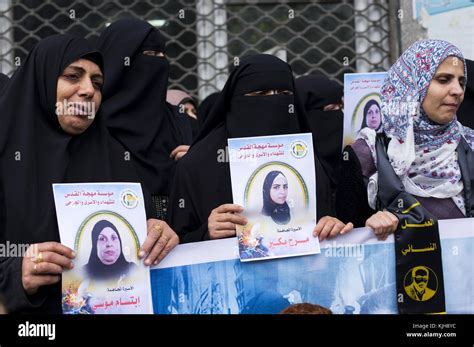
(445, 74)
(82, 70)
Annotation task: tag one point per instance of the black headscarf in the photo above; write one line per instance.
(465, 113)
(94, 267)
(202, 180)
(205, 107)
(368, 105)
(35, 153)
(317, 91)
(3, 81)
(135, 106)
(280, 213)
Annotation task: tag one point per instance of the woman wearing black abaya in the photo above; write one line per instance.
(322, 101)
(256, 101)
(50, 134)
(135, 107)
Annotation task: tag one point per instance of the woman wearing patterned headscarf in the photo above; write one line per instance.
(420, 97)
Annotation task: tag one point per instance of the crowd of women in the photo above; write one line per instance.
(78, 112)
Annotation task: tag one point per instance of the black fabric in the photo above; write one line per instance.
(466, 164)
(465, 114)
(417, 242)
(205, 107)
(135, 106)
(185, 125)
(351, 195)
(3, 81)
(35, 153)
(202, 180)
(194, 123)
(317, 91)
(95, 268)
(280, 213)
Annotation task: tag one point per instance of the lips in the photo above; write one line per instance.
(81, 109)
(453, 105)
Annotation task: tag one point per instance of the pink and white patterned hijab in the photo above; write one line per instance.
(421, 152)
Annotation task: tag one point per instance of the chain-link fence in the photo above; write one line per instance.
(205, 36)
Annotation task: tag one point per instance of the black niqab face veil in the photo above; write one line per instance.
(134, 107)
(246, 116)
(316, 92)
(280, 213)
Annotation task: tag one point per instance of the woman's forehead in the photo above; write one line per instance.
(107, 231)
(280, 177)
(450, 65)
(87, 65)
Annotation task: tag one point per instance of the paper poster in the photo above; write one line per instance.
(353, 274)
(361, 103)
(273, 178)
(105, 224)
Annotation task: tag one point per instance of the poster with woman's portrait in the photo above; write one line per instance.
(105, 224)
(362, 103)
(273, 178)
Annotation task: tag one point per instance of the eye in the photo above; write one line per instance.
(98, 84)
(443, 80)
(102, 238)
(71, 77)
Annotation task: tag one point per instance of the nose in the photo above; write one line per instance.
(86, 89)
(456, 89)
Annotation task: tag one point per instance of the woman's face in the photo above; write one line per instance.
(78, 96)
(108, 246)
(446, 91)
(279, 189)
(373, 117)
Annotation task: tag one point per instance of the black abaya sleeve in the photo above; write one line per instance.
(325, 204)
(14, 296)
(182, 214)
(351, 196)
